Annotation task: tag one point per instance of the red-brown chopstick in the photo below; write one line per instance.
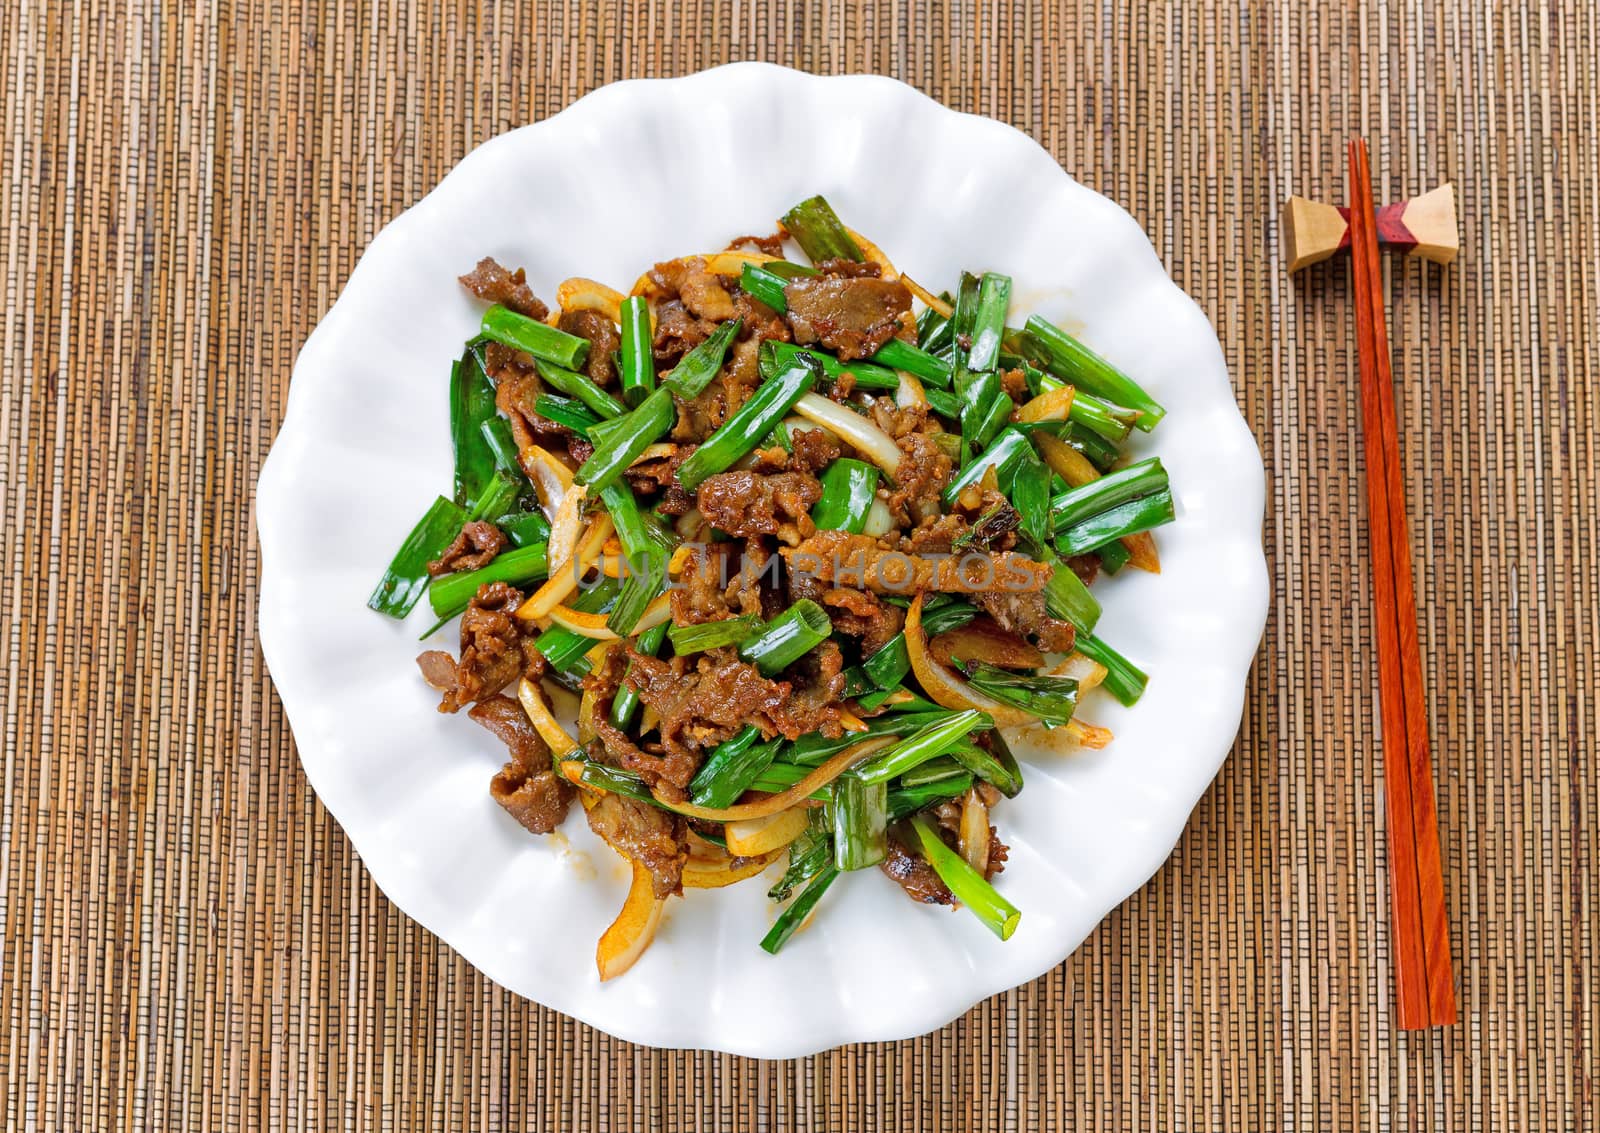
(1424, 985)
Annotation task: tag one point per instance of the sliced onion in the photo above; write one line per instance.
(853, 428)
(584, 625)
(657, 451)
(1085, 670)
(649, 720)
(1142, 552)
(1062, 458)
(551, 478)
(910, 392)
(566, 525)
(580, 294)
(928, 298)
(974, 833)
(561, 744)
(946, 689)
(880, 521)
(635, 927)
(690, 525)
(874, 255)
(1051, 405)
(717, 263)
(706, 873)
(851, 722)
(587, 704)
(751, 836)
(1074, 735)
(563, 578)
(795, 795)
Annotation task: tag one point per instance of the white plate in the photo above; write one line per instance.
(639, 172)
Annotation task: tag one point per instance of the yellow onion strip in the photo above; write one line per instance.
(717, 263)
(984, 641)
(874, 255)
(928, 298)
(973, 835)
(1051, 405)
(852, 428)
(552, 733)
(594, 626)
(1071, 736)
(772, 804)
(1142, 552)
(633, 930)
(710, 873)
(946, 689)
(564, 575)
(752, 836)
(1086, 671)
(580, 294)
(910, 392)
(552, 479)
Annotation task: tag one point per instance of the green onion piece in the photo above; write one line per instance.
(814, 749)
(582, 387)
(1010, 448)
(819, 232)
(764, 284)
(777, 356)
(1073, 362)
(856, 683)
(1113, 556)
(694, 370)
(524, 528)
(748, 425)
(860, 819)
(1078, 504)
(932, 771)
(998, 767)
(498, 496)
(1030, 495)
(407, 576)
(1103, 454)
(906, 801)
(566, 411)
(731, 767)
(624, 440)
(1065, 595)
(800, 908)
(638, 370)
(928, 742)
(889, 665)
(1109, 422)
(989, 321)
(565, 649)
(934, 331)
(625, 705)
(898, 354)
(471, 404)
(1126, 519)
(539, 339)
(787, 637)
(617, 781)
(943, 402)
(848, 488)
(1052, 699)
(1124, 680)
(809, 854)
(967, 884)
(778, 777)
(497, 435)
(995, 418)
(713, 635)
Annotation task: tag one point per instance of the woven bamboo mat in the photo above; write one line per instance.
(187, 940)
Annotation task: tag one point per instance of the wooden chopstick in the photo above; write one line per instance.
(1424, 985)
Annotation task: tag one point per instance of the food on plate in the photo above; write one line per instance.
(811, 544)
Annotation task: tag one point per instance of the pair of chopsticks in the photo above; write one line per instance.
(1424, 988)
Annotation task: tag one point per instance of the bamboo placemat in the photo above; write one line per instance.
(188, 940)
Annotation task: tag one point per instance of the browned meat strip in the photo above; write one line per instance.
(912, 871)
(702, 586)
(516, 396)
(1014, 384)
(758, 320)
(925, 470)
(1085, 567)
(859, 560)
(677, 332)
(527, 786)
(813, 703)
(935, 535)
(496, 649)
(814, 450)
(850, 316)
(604, 342)
(744, 503)
(494, 284)
(1024, 614)
(648, 835)
(850, 269)
(859, 614)
(771, 245)
(669, 772)
(705, 698)
(475, 545)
